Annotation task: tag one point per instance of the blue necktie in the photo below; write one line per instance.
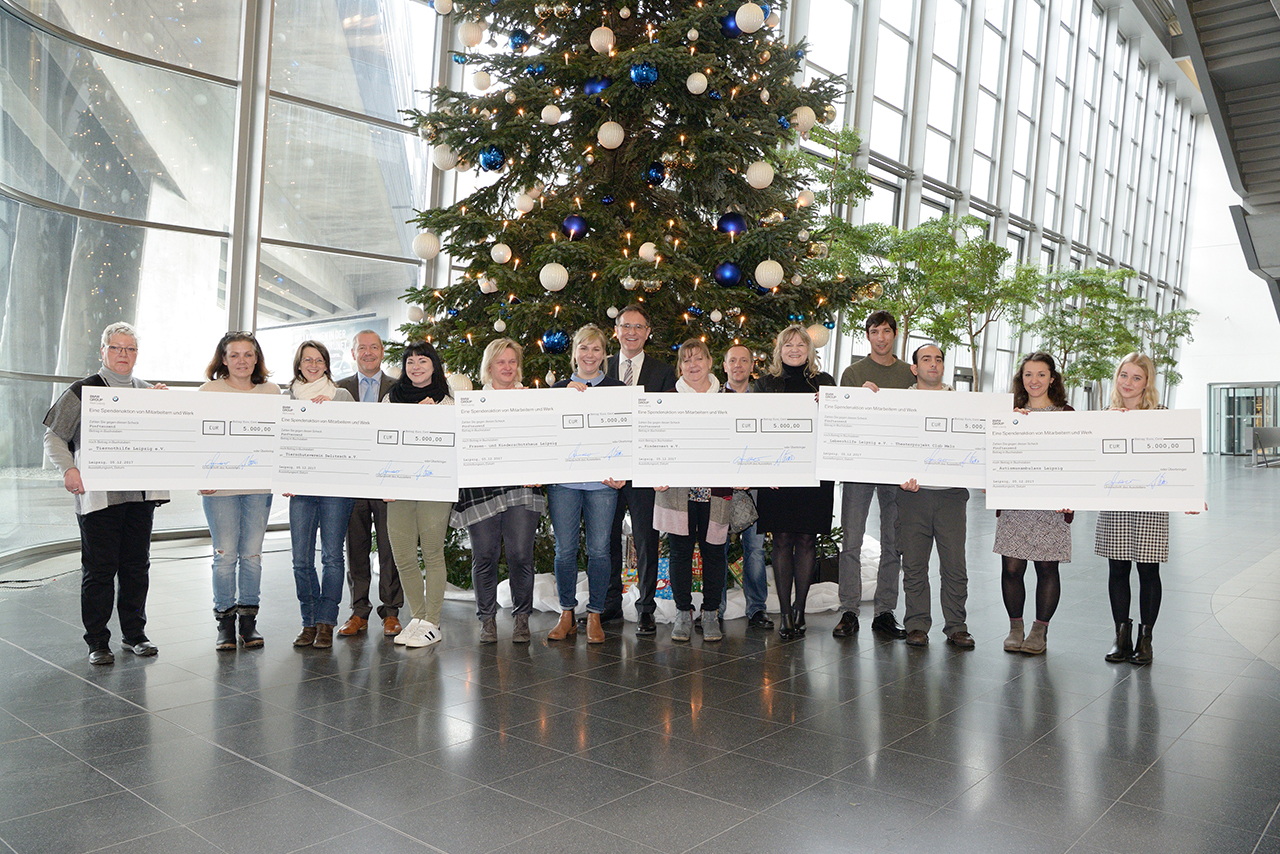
(368, 389)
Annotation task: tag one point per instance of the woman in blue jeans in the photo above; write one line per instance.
(237, 517)
(571, 504)
(319, 596)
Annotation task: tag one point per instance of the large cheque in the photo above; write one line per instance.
(1136, 460)
(362, 451)
(893, 435)
(558, 435)
(724, 440)
(140, 439)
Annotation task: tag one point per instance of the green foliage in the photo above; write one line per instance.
(703, 143)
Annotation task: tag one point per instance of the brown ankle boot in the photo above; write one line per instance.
(324, 636)
(595, 631)
(566, 628)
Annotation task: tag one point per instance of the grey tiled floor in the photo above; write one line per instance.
(751, 745)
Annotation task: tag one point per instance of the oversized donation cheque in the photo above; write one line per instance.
(892, 435)
(725, 440)
(521, 437)
(1114, 460)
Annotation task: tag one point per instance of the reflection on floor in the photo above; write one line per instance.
(750, 745)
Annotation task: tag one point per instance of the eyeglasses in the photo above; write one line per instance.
(122, 351)
(313, 362)
(632, 327)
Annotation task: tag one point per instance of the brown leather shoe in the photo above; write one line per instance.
(305, 637)
(566, 628)
(324, 636)
(595, 631)
(391, 626)
(353, 626)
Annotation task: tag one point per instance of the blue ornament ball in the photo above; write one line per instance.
(536, 69)
(596, 85)
(555, 341)
(759, 290)
(732, 223)
(655, 174)
(452, 312)
(460, 59)
(491, 158)
(784, 122)
(714, 94)
(575, 227)
(607, 199)
(727, 274)
(729, 26)
(644, 74)
(694, 311)
(800, 53)
(519, 39)
(764, 7)
(830, 324)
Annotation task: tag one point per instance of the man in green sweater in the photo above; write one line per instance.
(879, 370)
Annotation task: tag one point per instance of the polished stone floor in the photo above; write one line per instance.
(750, 745)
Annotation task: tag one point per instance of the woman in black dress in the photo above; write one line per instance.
(794, 515)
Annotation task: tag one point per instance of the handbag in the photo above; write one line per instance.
(742, 511)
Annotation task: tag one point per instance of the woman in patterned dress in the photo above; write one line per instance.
(1040, 536)
(1127, 537)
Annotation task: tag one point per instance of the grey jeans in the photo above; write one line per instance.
(855, 505)
(927, 518)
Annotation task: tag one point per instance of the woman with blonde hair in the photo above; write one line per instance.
(795, 515)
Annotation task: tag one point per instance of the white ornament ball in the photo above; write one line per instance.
(759, 175)
(550, 114)
(482, 80)
(612, 311)
(602, 40)
(510, 96)
(624, 13)
(426, 245)
(629, 283)
(749, 17)
(553, 276)
(470, 33)
(460, 382)
(773, 20)
(819, 335)
(590, 159)
(804, 118)
(692, 35)
(550, 378)
(499, 326)
(648, 252)
(535, 189)
(769, 273)
(444, 157)
(487, 285)
(804, 199)
(764, 96)
(797, 279)
(524, 203)
(716, 315)
(610, 135)
(803, 235)
(416, 314)
(444, 7)
(500, 253)
(696, 83)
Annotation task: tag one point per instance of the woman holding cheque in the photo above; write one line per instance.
(573, 503)
(413, 523)
(695, 516)
(319, 597)
(1040, 536)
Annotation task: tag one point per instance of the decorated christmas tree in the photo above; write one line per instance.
(628, 152)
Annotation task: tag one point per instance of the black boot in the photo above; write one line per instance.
(1123, 647)
(1142, 653)
(249, 627)
(785, 629)
(797, 623)
(226, 629)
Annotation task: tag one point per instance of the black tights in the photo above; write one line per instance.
(793, 560)
(1014, 591)
(1149, 591)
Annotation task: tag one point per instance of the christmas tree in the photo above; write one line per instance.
(628, 152)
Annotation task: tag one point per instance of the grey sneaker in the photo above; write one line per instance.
(520, 632)
(711, 626)
(489, 630)
(683, 626)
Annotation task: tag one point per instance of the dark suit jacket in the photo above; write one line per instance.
(655, 376)
(352, 384)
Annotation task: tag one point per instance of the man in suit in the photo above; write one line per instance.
(634, 368)
(369, 385)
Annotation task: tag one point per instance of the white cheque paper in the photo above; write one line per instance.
(390, 450)
(144, 439)
(1137, 460)
(725, 440)
(551, 436)
(893, 435)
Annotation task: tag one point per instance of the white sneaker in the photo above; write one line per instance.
(407, 632)
(427, 634)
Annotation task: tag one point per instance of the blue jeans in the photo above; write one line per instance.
(237, 524)
(568, 509)
(755, 585)
(319, 596)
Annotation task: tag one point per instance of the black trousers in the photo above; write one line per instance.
(115, 554)
(370, 514)
(639, 500)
